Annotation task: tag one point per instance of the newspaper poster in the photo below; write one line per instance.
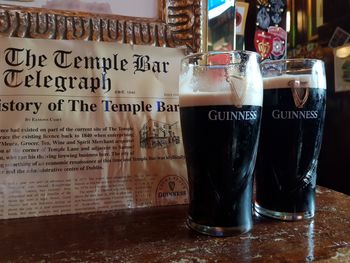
(88, 126)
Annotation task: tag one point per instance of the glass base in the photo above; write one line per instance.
(218, 231)
(286, 216)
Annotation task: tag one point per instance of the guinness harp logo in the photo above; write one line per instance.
(238, 91)
(300, 94)
(171, 185)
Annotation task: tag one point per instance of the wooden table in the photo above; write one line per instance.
(160, 235)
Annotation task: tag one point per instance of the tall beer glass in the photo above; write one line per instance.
(291, 136)
(220, 107)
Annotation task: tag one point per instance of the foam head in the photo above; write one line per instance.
(295, 81)
(219, 86)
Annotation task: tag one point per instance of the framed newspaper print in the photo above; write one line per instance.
(175, 23)
(89, 104)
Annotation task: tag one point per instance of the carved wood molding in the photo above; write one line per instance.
(179, 25)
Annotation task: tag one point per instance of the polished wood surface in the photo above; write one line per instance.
(161, 235)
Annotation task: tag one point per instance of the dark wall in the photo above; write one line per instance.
(335, 9)
(334, 161)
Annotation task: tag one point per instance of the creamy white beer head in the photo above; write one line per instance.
(228, 91)
(295, 81)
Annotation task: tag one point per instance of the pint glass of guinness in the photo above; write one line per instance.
(291, 136)
(220, 108)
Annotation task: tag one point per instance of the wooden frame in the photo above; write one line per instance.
(181, 23)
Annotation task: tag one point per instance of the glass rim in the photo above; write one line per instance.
(223, 52)
(286, 60)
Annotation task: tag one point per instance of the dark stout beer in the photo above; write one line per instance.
(220, 98)
(290, 141)
(220, 142)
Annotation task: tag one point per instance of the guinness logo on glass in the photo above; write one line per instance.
(300, 92)
(238, 92)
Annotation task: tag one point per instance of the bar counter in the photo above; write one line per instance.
(161, 235)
